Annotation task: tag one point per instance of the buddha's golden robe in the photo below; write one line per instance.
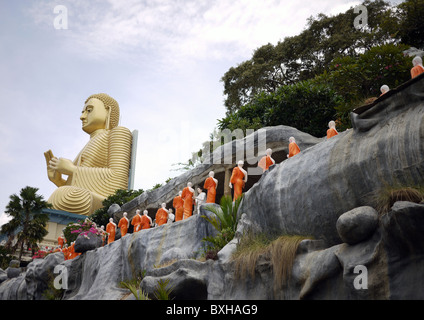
(102, 168)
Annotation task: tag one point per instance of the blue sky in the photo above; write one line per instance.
(161, 60)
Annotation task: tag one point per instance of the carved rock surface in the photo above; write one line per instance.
(307, 193)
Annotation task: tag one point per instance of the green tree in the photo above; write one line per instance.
(411, 18)
(28, 223)
(308, 54)
(306, 105)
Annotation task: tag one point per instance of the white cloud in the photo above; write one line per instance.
(179, 30)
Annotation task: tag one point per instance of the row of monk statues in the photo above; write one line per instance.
(416, 70)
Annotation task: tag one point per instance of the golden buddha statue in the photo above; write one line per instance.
(100, 168)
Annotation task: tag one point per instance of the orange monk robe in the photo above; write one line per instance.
(187, 196)
(71, 252)
(293, 149)
(111, 230)
(210, 185)
(415, 71)
(145, 222)
(161, 216)
(331, 133)
(60, 241)
(123, 225)
(265, 163)
(136, 222)
(178, 205)
(237, 180)
(65, 253)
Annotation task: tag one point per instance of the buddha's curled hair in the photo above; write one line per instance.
(110, 104)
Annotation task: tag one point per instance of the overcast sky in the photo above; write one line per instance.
(162, 60)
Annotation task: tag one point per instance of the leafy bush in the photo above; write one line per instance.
(357, 78)
(163, 290)
(225, 221)
(86, 228)
(306, 105)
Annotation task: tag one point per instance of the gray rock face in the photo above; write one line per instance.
(307, 193)
(389, 264)
(3, 275)
(96, 274)
(39, 273)
(357, 225)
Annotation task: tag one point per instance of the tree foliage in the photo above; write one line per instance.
(308, 54)
(411, 22)
(306, 105)
(28, 223)
(324, 72)
(101, 217)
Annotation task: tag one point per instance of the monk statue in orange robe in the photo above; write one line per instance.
(136, 221)
(162, 215)
(146, 221)
(293, 147)
(61, 241)
(238, 179)
(331, 132)
(266, 161)
(124, 224)
(418, 68)
(111, 231)
(210, 185)
(65, 251)
(178, 204)
(188, 196)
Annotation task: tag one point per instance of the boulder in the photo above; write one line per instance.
(357, 225)
(89, 242)
(113, 209)
(13, 271)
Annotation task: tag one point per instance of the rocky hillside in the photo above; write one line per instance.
(328, 193)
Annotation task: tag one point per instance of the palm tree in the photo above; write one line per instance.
(28, 223)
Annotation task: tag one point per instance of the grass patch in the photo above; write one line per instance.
(384, 198)
(279, 251)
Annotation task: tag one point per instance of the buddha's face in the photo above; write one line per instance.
(94, 116)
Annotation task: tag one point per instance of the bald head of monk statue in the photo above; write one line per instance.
(100, 168)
